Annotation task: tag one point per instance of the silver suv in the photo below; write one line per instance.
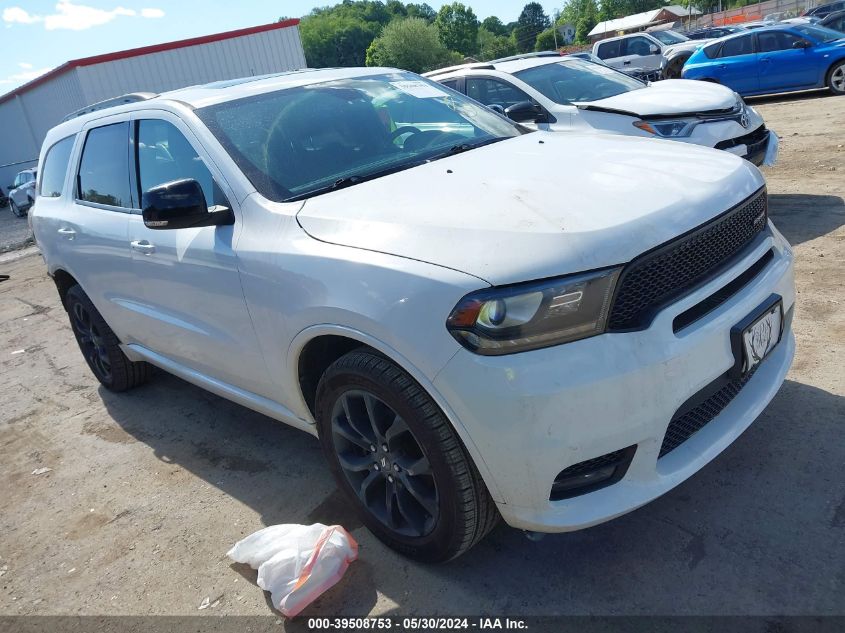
(22, 192)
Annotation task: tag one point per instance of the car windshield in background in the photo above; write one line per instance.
(575, 80)
(819, 33)
(300, 142)
(669, 37)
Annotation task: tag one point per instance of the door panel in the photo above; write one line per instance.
(780, 65)
(736, 66)
(193, 306)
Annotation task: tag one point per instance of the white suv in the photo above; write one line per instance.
(475, 321)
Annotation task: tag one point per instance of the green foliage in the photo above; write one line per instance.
(494, 26)
(492, 46)
(546, 41)
(587, 21)
(423, 11)
(331, 39)
(531, 22)
(458, 28)
(411, 44)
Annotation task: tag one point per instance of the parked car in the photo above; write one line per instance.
(3, 199)
(774, 59)
(474, 320)
(567, 94)
(834, 21)
(636, 73)
(713, 32)
(22, 192)
(757, 24)
(823, 10)
(648, 51)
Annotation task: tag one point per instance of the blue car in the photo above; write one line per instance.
(773, 59)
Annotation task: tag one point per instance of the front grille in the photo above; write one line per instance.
(661, 276)
(689, 421)
(758, 136)
(621, 459)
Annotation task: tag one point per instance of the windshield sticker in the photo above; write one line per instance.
(419, 89)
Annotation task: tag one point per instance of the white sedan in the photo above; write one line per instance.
(567, 94)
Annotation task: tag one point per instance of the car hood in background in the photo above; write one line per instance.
(692, 45)
(535, 206)
(671, 96)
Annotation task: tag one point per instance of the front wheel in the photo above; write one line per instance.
(674, 68)
(836, 79)
(397, 458)
(15, 209)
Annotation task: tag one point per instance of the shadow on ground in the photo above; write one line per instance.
(757, 531)
(789, 97)
(804, 217)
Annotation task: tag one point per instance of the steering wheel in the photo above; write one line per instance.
(405, 129)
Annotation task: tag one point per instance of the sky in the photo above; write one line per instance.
(39, 35)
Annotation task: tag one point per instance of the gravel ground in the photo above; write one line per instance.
(14, 232)
(149, 489)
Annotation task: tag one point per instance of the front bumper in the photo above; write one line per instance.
(533, 414)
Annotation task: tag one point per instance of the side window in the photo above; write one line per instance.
(165, 155)
(609, 50)
(450, 83)
(769, 41)
(637, 46)
(737, 46)
(104, 169)
(55, 168)
(18, 181)
(494, 92)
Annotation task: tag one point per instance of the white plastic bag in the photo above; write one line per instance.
(771, 156)
(296, 563)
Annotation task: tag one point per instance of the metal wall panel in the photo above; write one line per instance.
(26, 118)
(255, 54)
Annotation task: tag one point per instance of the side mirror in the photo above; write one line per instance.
(524, 112)
(801, 44)
(495, 107)
(180, 205)
(10, 187)
(653, 49)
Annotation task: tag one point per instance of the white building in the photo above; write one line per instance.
(27, 112)
(642, 21)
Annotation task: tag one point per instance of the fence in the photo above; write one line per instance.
(780, 9)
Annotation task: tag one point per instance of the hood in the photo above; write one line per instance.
(692, 45)
(535, 206)
(671, 96)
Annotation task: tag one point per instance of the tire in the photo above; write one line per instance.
(836, 78)
(15, 209)
(100, 347)
(674, 68)
(426, 500)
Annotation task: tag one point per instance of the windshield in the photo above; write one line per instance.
(819, 33)
(669, 37)
(299, 142)
(577, 80)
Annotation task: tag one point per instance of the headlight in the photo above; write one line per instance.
(538, 314)
(668, 129)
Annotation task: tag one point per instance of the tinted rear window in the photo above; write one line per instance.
(104, 169)
(610, 50)
(737, 46)
(55, 168)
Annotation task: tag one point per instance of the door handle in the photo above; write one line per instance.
(143, 246)
(66, 233)
(626, 63)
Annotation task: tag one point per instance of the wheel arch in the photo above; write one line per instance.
(830, 68)
(320, 345)
(64, 281)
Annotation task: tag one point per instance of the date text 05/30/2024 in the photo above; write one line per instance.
(417, 624)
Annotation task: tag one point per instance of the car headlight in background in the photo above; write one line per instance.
(537, 314)
(678, 128)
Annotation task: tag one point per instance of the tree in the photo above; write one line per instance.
(531, 22)
(332, 39)
(423, 11)
(494, 26)
(458, 28)
(587, 21)
(491, 46)
(412, 44)
(611, 9)
(546, 40)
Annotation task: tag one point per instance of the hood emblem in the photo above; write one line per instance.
(743, 119)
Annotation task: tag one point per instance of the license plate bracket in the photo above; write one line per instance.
(754, 338)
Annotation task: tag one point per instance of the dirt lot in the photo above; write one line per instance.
(148, 490)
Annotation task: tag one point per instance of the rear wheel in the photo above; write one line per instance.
(100, 347)
(15, 208)
(674, 67)
(396, 457)
(836, 79)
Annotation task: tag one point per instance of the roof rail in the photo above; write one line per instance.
(449, 69)
(132, 97)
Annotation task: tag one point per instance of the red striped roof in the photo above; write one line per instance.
(146, 50)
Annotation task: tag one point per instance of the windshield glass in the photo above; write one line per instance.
(819, 33)
(577, 80)
(669, 37)
(299, 142)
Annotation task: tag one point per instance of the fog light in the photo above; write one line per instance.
(592, 474)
